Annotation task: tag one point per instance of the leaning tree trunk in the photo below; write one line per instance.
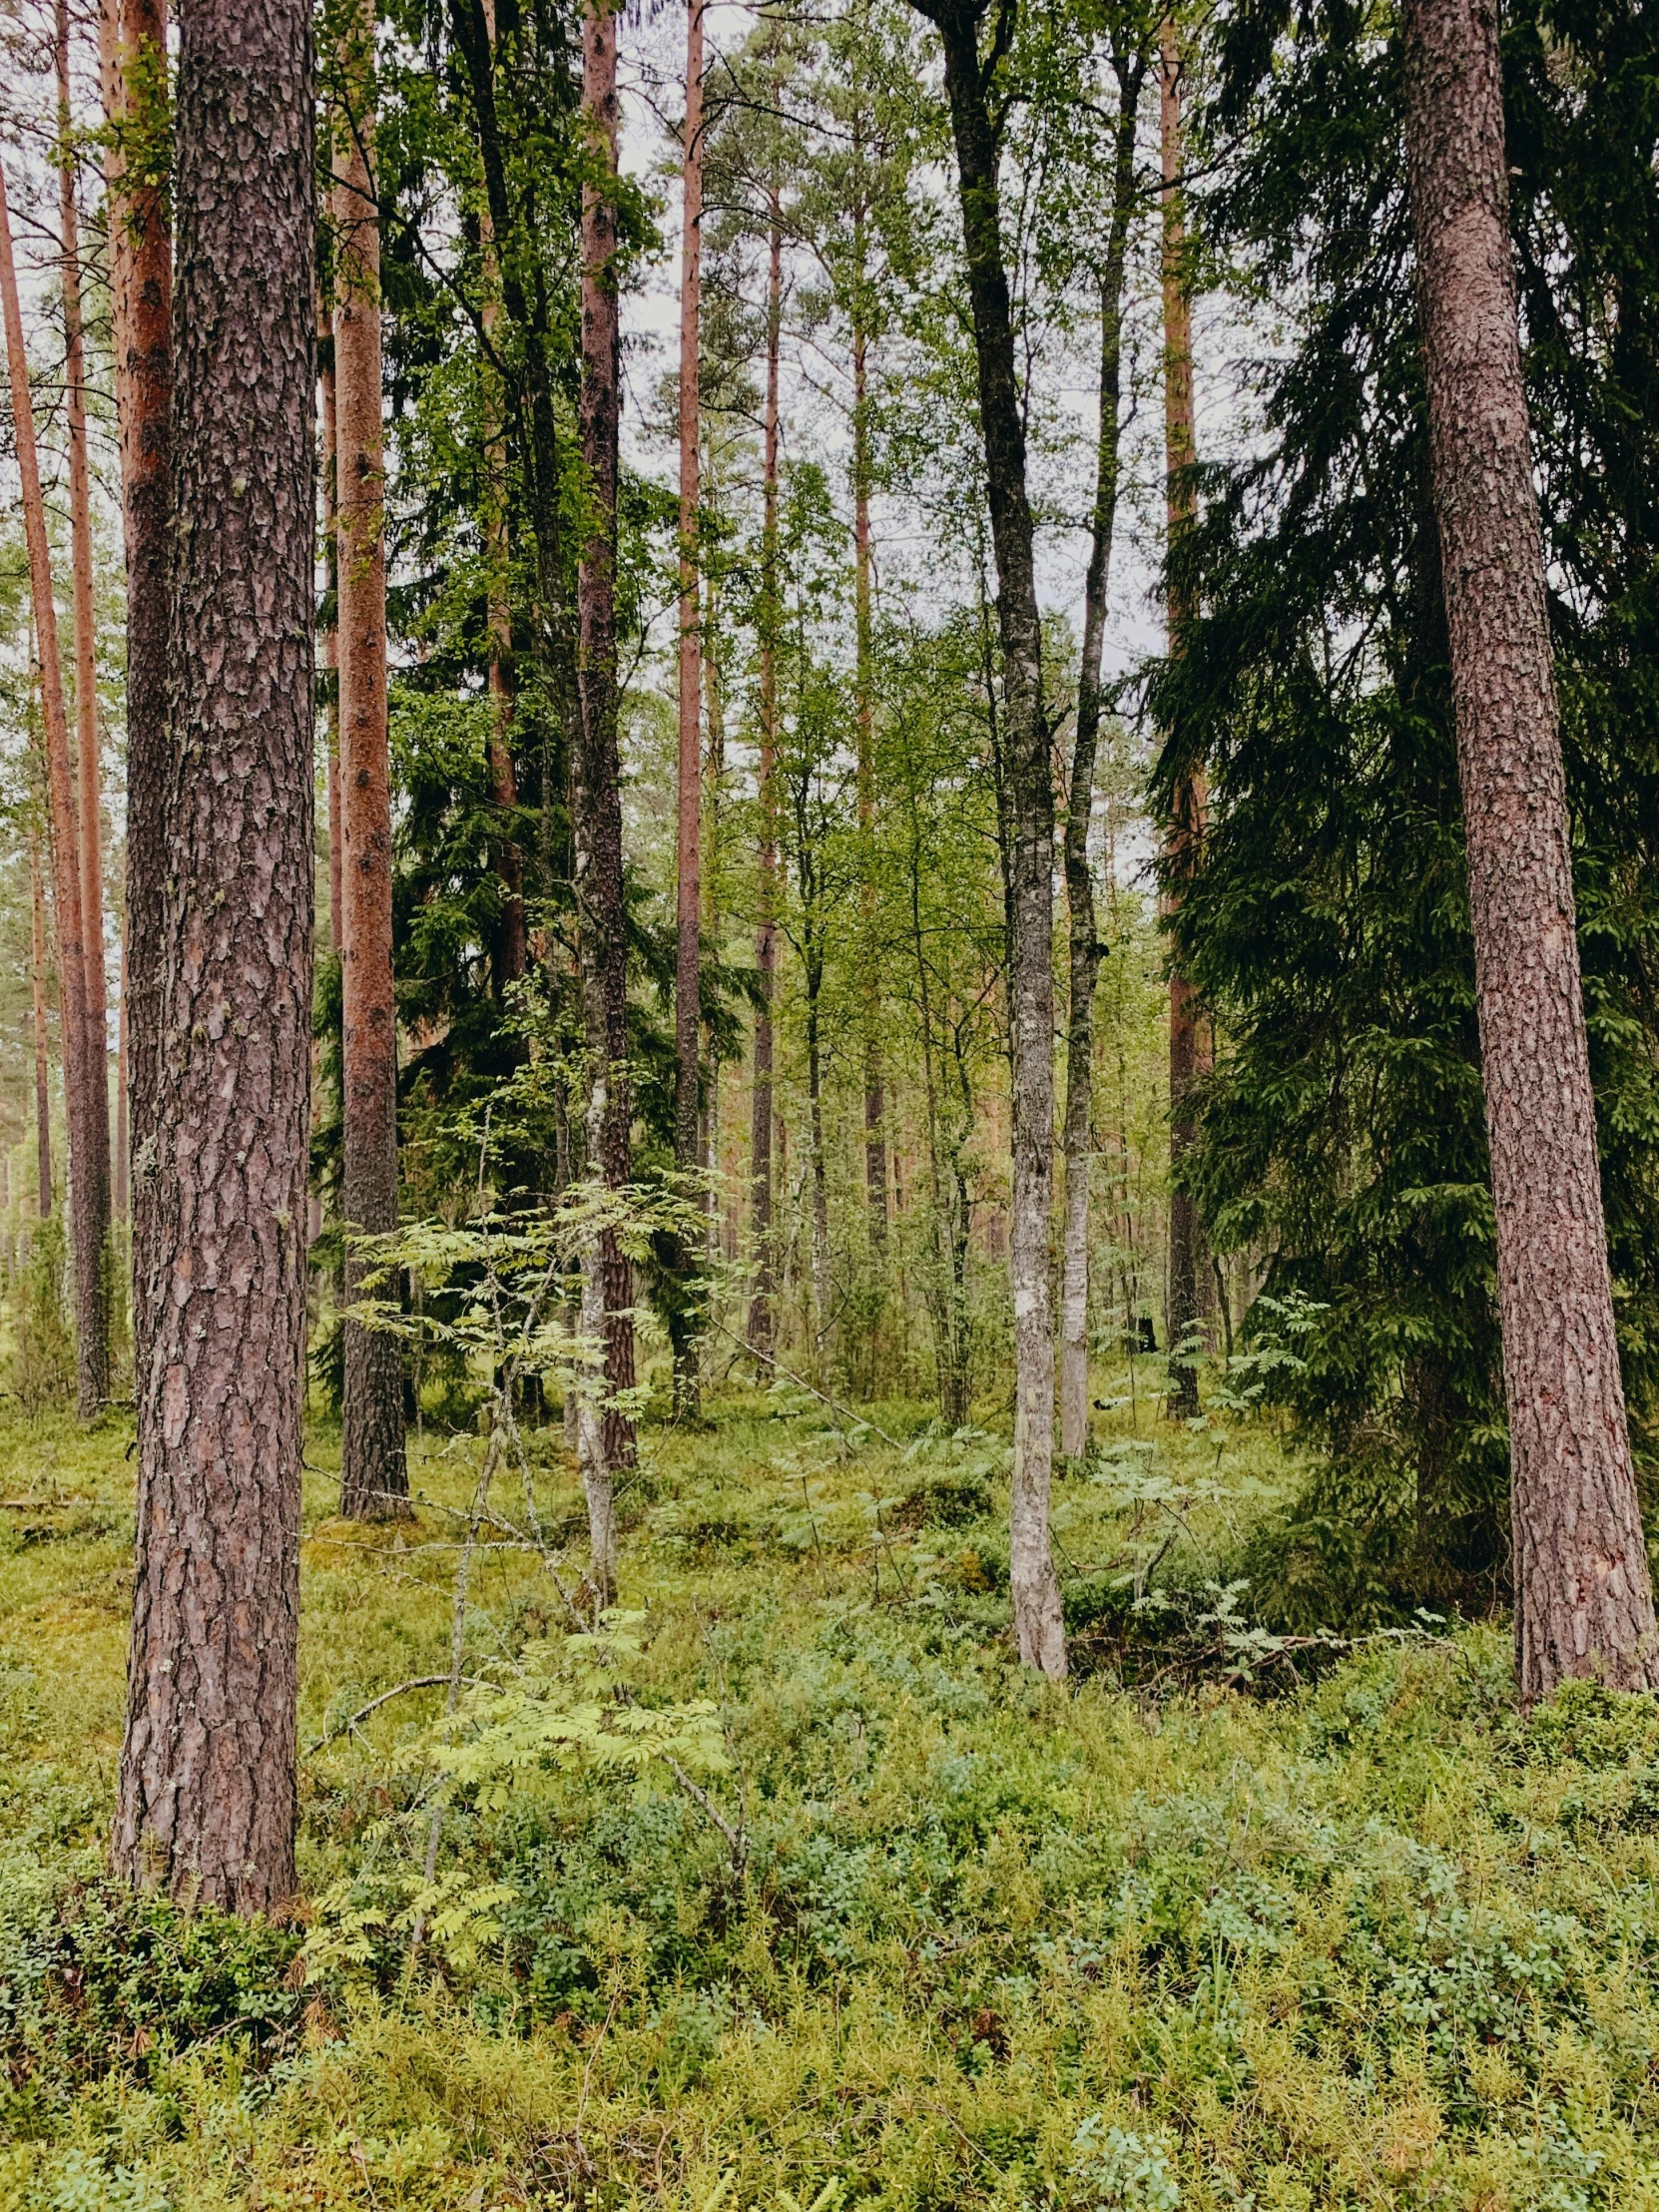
(604, 922)
(207, 1769)
(1031, 838)
(1583, 1599)
(1186, 1300)
(133, 41)
(763, 1317)
(1085, 950)
(88, 1200)
(688, 990)
(93, 1187)
(374, 1474)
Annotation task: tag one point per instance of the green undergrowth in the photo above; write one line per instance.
(787, 1887)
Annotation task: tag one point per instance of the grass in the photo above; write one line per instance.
(910, 1929)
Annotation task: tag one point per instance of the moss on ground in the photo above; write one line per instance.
(933, 1935)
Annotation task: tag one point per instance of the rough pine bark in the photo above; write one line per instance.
(597, 791)
(763, 1332)
(89, 1202)
(1583, 1599)
(688, 987)
(94, 1187)
(206, 1792)
(374, 1476)
(1085, 951)
(133, 46)
(1186, 1301)
(1030, 837)
(37, 978)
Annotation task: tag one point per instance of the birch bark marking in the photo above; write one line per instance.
(206, 1793)
(1031, 838)
(688, 986)
(93, 1188)
(598, 811)
(92, 1336)
(374, 1476)
(1085, 951)
(762, 1312)
(1583, 1598)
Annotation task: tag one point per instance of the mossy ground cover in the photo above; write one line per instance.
(911, 1930)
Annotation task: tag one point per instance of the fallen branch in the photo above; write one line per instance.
(416, 1682)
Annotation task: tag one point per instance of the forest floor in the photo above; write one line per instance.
(791, 1890)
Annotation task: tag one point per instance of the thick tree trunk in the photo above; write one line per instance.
(1583, 1600)
(207, 1803)
(89, 1197)
(374, 1476)
(1085, 949)
(688, 987)
(94, 1186)
(37, 977)
(763, 1320)
(598, 793)
(1029, 861)
(133, 52)
(1185, 1300)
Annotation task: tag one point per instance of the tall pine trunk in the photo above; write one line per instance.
(1029, 839)
(1085, 951)
(762, 1318)
(208, 1766)
(132, 45)
(37, 978)
(94, 1187)
(374, 1476)
(1186, 1303)
(688, 990)
(598, 807)
(89, 1200)
(864, 673)
(1583, 1600)
(328, 470)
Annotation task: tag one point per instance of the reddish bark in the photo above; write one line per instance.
(207, 1768)
(1583, 1599)
(327, 471)
(133, 48)
(90, 1199)
(374, 1476)
(37, 977)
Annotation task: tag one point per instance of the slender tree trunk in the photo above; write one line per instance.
(327, 473)
(1186, 1260)
(1030, 843)
(374, 1476)
(511, 948)
(133, 46)
(598, 811)
(207, 1768)
(763, 1319)
(823, 1285)
(88, 1199)
(1085, 949)
(875, 1107)
(95, 1184)
(121, 1180)
(687, 989)
(37, 976)
(1583, 1600)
